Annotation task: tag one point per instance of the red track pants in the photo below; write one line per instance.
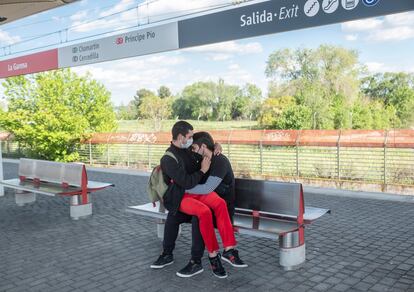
(201, 206)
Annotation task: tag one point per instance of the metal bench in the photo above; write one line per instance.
(268, 209)
(55, 179)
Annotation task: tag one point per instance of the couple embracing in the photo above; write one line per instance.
(201, 191)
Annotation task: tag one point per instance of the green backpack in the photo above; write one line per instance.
(156, 185)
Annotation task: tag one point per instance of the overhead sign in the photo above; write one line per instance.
(136, 43)
(279, 16)
(246, 21)
(33, 63)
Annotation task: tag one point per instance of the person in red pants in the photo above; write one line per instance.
(203, 202)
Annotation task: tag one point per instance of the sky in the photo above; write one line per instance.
(383, 43)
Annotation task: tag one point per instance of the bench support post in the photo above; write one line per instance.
(79, 210)
(23, 198)
(1, 172)
(292, 250)
(160, 228)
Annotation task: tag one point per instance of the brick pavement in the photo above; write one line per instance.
(365, 245)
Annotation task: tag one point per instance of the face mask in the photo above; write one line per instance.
(188, 144)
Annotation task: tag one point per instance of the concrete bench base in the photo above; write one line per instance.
(80, 211)
(292, 258)
(24, 198)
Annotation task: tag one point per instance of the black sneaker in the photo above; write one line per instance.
(162, 261)
(232, 257)
(217, 267)
(191, 269)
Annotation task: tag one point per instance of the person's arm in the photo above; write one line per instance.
(203, 189)
(179, 175)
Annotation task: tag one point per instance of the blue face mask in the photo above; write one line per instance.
(188, 144)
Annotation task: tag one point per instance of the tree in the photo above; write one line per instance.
(393, 89)
(164, 92)
(139, 97)
(315, 78)
(155, 108)
(127, 112)
(50, 113)
(247, 104)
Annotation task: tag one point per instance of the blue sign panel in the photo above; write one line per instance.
(279, 16)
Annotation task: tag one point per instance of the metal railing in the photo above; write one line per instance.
(380, 157)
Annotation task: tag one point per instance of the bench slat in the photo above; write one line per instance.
(45, 189)
(312, 214)
(267, 227)
(52, 189)
(268, 196)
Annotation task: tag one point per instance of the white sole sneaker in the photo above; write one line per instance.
(234, 265)
(188, 276)
(160, 267)
(221, 277)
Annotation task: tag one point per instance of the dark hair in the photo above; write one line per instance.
(181, 127)
(204, 138)
(199, 135)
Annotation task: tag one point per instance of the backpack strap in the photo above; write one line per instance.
(170, 154)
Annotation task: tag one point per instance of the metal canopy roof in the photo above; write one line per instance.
(11, 10)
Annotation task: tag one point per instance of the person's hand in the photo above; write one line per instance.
(205, 164)
(218, 149)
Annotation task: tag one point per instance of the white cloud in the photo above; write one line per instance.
(82, 22)
(148, 10)
(406, 18)
(227, 50)
(171, 8)
(6, 38)
(230, 47)
(80, 15)
(392, 34)
(351, 37)
(124, 77)
(362, 25)
(396, 27)
(121, 6)
(375, 67)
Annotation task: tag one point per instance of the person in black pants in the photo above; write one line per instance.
(181, 175)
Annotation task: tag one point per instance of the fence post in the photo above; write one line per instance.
(1, 171)
(385, 159)
(338, 160)
(261, 157)
(107, 154)
(149, 156)
(128, 154)
(297, 153)
(228, 143)
(90, 152)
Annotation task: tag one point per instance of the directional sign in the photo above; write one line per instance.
(246, 21)
(33, 63)
(279, 16)
(136, 43)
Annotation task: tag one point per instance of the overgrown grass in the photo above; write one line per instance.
(148, 125)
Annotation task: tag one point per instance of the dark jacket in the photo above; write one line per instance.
(179, 176)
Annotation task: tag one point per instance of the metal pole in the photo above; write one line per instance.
(261, 156)
(338, 161)
(107, 153)
(149, 156)
(128, 154)
(1, 172)
(297, 153)
(385, 159)
(228, 143)
(90, 153)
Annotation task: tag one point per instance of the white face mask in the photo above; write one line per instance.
(188, 144)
